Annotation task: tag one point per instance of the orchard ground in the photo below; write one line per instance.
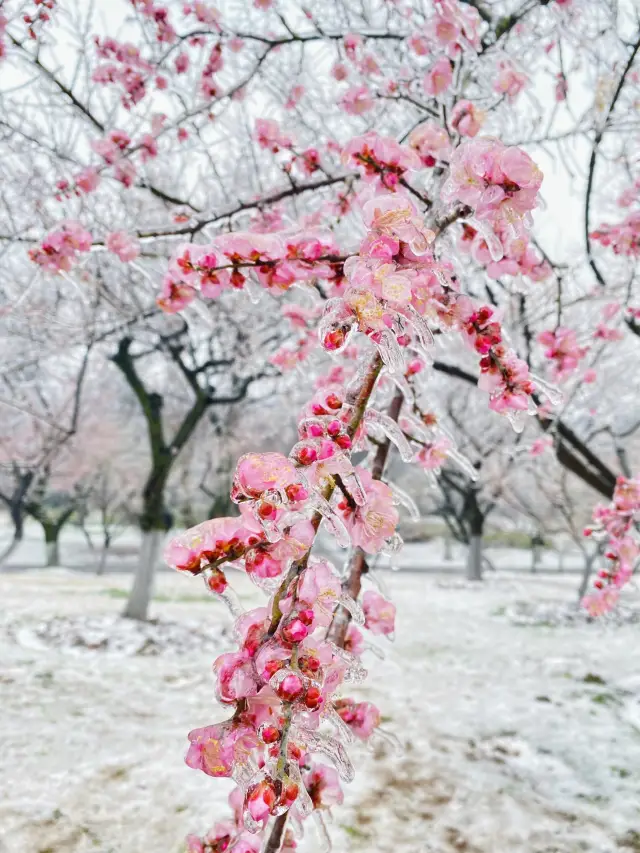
(518, 723)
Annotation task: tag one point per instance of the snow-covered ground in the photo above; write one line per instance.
(514, 737)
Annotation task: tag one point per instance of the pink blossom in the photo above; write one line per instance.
(354, 641)
(216, 749)
(432, 143)
(60, 248)
(351, 43)
(418, 44)
(320, 588)
(380, 614)
(373, 523)
(361, 717)
(396, 218)
(340, 71)
(382, 160)
(208, 542)
(500, 183)
(181, 63)
(607, 333)
(623, 238)
(562, 348)
(87, 180)
(434, 454)
(125, 172)
(562, 88)
(323, 786)
(294, 97)
(541, 445)
(508, 81)
(438, 78)
(175, 295)
(466, 118)
(357, 100)
(236, 678)
(269, 135)
(126, 247)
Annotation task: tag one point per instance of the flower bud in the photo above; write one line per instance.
(290, 688)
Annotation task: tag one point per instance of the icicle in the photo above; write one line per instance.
(402, 384)
(431, 477)
(463, 463)
(253, 290)
(229, 595)
(303, 803)
(324, 840)
(387, 737)
(342, 466)
(375, 650)
(405, 500)
(311, 294)
(516, 419)
(390, 351)
(377, 581)
(393, 432)
(333, 717)
(350, 604)
(355, 672)
(336, 321)
(490, 237)
(392, 545)
(418, 429)
(271, 529)
(551, 392)
(334, 751)
(333, 520)
(420, 327)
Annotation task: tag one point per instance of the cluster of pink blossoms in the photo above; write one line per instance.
(35, 18)
(242, 260)
(124, 67)
(59, 250)
(562, 348)
(382, 161)
(623, 238)
(452, 28)
(518, 256)
(499, 182)
(281, 682)
(269, 135)
(617, 522)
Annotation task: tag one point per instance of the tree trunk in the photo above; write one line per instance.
(142, 590)
(102, 563)
(535, 558)
(51, 544)
(475, 521)
(474, 558)
(589, 560)
(18, 533)
(448, 553)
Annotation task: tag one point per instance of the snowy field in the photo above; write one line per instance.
(515, 734)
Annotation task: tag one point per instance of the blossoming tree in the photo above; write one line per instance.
(364, 169)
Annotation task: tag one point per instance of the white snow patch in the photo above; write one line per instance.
(515, 738)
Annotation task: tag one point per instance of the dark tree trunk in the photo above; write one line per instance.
(475, 522)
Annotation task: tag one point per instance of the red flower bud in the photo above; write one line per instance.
(313, 699)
